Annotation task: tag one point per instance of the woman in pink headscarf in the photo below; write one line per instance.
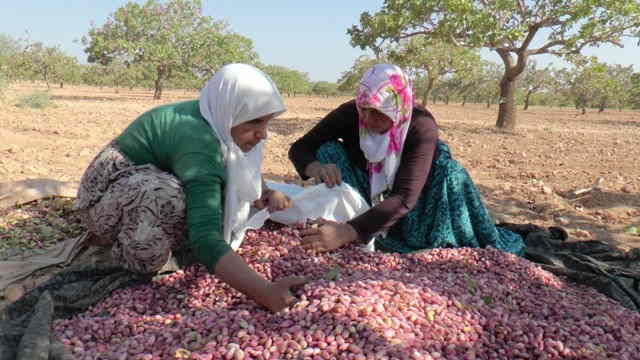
(387, 148)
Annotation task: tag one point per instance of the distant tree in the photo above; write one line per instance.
(289, 81)
(173, 37)
(535, 80)
(47, 63)
(9, 49)
(96, 75)
(634, 92)
(616, 88)
(485, 86)
(434, 59)
(350, 79)
(508, 27)
(465, 83)
(324, 88)
(584, 83)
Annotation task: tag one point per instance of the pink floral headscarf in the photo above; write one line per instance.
(387, 89)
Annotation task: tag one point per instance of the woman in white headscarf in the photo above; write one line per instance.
(190, 170)
(387, 148)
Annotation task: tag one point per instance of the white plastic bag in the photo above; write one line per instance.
(340, 203)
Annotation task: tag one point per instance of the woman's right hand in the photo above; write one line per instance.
(327, 173)
(275, 296)
(278, 294)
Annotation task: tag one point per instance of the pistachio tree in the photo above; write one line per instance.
(514, 29)
(634, 91)
(173, 37)
(350, 79)
(324, 88)
(47, 63)
(583, 83)
(535, 80)
(289, 81)
(433, 59)
(616, 89)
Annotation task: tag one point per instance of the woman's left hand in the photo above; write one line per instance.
(273, 200)
(328, 235)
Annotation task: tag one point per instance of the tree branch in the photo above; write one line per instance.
(506, 57)
(523, 8)
(533, 30)
(546, 47)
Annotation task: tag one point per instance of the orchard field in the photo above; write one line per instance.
(526, 176)
(558, 168)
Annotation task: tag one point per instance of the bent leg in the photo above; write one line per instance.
(449, 214)
(138, 210)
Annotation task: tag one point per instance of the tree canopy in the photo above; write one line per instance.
(172, 37)
(433, 59)
(289, 81)
(514, 29)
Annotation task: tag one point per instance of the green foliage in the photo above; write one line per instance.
(35, 100)
(594, 84)
(535, 80)
(46, 63)
(634, 91)
(561, 27)
(9, 49)
(325, 88)
(173, 38)
(349, 79)
(4, 83)
(289, 81)
(432, 59)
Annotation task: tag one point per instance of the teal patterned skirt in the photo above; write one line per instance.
(448, 214)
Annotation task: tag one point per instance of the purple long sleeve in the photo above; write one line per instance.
(417, 158)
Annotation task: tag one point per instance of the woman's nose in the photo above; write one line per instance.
(261, 134)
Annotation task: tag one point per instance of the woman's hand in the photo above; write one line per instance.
(273, 200)
(278, 294)
(275, 296)
(327, 173)
(328, 235)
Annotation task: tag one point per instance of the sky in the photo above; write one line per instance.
(308, 36)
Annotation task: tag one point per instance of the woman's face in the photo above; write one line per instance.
(250, 133)
(375, 121)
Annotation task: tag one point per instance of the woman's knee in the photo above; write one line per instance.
(142, 249)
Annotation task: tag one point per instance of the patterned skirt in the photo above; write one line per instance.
(449, 212)
(138, 210)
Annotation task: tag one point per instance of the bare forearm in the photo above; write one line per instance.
(232, 269)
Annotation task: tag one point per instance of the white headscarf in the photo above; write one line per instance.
(238, 93)
(387, 89)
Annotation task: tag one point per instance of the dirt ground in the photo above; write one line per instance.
(526, 176)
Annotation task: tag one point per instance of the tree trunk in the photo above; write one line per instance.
(602, 106)
(584, 110)
(157, 93)
(507, 106)
(427, 91)
(526, 101)
(425, 97)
